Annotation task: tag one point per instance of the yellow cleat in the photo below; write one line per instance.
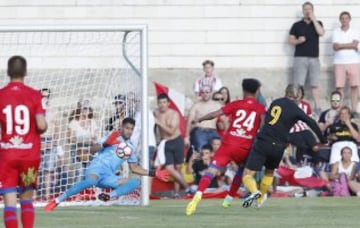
(191, 207)
(260, 201)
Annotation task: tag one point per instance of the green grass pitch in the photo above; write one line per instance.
(277, 213)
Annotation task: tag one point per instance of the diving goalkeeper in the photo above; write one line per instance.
(102, 169)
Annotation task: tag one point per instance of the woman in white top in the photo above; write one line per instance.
(345, 165)
(342, 172)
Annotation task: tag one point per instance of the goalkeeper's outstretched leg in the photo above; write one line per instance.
(84, 184)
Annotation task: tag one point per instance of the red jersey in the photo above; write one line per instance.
(300, 125)
(245, 119)
(19, 105)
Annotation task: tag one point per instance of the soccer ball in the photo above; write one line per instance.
(123, 150)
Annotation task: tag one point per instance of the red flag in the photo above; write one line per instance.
(177, 102)
(288, 176)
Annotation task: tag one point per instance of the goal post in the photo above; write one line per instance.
(89, 72)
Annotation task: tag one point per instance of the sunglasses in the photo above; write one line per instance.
(218, 99)
(335, 100)
(205, 92)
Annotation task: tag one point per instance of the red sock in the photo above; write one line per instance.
(27, 213)
(235, 184)
(10, 217)
(205, 181)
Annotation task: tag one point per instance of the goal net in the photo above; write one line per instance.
(91, 78)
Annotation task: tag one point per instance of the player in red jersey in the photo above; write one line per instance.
(246, 117)
(22, 120)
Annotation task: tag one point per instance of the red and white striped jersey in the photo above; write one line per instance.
(300, 125)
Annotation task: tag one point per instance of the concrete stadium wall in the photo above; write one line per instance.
(243, 37)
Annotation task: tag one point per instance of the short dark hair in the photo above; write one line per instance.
(128, 120)
(250, 85)
(163, 96)
(45, 90)
(308, 3)
(336, 93)
(345, 13)
(210, 62)
(207, 147)
(16, 66)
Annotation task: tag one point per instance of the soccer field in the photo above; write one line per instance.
(277, 213)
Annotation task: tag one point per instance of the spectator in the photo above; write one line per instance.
(49, 146)
(304, 35)
(203, 132)
(342, 172)
(343, 133)
(133, 104)
(261, 99)
(120, 113)
(300, 134)
(200, 166)
(345, 41)
(354, 184)
(222, 123)
(83, 132)
(225, 92)
(168, 122)
(209, 79)
(328, 117)
(215, 143)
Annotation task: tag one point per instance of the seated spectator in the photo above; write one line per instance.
(215, 143)
(200, 166)
(209, 79)
(49, 146)
(342, 172)
(120, 113)
(343, 133)
(83, 132)
(300, 134)
(200, 134)
(225, 92)
(354, 184)
(328, 117)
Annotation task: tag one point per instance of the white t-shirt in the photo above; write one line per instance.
(345, 56)
(214, 82)
(135, 138)
(84, 133)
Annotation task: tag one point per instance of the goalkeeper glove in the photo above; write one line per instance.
(160, 174)
(112, 139)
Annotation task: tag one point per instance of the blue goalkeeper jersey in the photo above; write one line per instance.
(109, 160)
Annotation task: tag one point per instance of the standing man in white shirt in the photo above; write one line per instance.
(345, 41)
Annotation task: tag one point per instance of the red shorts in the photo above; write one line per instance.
(227, 153)
(18, 173)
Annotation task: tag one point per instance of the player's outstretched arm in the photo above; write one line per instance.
(314, 126)
(135, 168)
(210, 115)
(151, 173)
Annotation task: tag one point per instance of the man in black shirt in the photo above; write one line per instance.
(343, 133)
(114, 121)
(271, 142)
(304, 35)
